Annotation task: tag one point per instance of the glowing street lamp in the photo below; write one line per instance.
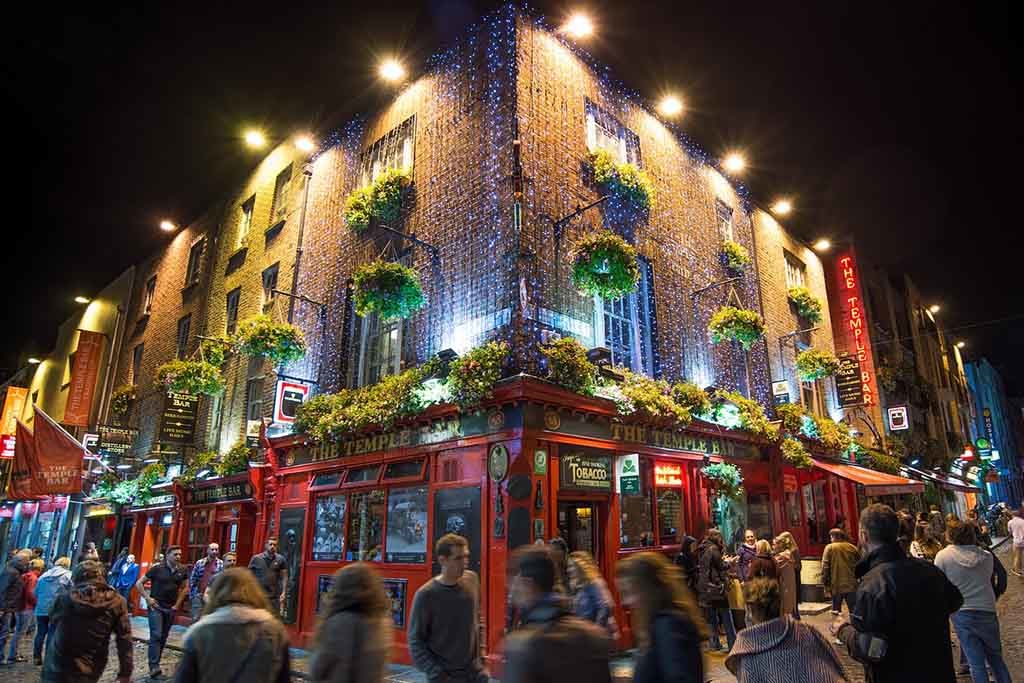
(670, 106)
(304, 143)
(579, 26)
(782, 207)
(961, 344)
(934, 308)
(822, 245)
(255, 139)
(391, 70)
(168, 226)
(82, 300)
(34, 361)
(734, 162)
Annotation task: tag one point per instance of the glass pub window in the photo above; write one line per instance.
(636, 523)
(147, 300)
(393, 150)
(245, 221)
(270, 283)
(136, 363)
(724, 212)
(604, 132)
(231, 310)
(195, 260)
(796, 271)
(181, 341)
(279, 207)
(365, 524)
(625, 325)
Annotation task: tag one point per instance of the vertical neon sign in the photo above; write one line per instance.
(855, 338)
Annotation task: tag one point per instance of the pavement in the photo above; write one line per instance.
(1010, 607)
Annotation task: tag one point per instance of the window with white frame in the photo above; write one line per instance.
(393, 150)
(270, 284)
(254, 398)
(245, 221)
(195, 261)
(724, 213)
(604, 132)
(626, 326)
(147, 298)
(279, 207)
(796, 272)
(231, 310)
(380, 345)
(811, 397)
(181, 344)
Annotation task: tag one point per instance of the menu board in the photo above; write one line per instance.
(178, 419)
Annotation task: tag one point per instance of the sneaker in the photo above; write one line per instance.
(156, 675)
(17, 659)
(1017, 572)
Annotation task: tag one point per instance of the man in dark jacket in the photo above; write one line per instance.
(899, 625)
(81, 621)
(552, 645)
(11, 591)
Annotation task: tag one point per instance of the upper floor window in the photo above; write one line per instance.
(136, 364)
(394, 150)
(182, 339)
(147, 299)
(270, 284)
(231, 310)
(279, 207)
(605, 132)
(626, 326)
(195, 261)
(796, 272)
(812, 397)
(724, 214)
(245, 221)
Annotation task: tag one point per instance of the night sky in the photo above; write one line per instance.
(898, 123)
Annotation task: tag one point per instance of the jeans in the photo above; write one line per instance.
(721, 615)
(978, 633)
(6, 629)
(839, 598)
(160, 621)
(21, 622)
(42, 628)
(1018, 558)
(197, 608)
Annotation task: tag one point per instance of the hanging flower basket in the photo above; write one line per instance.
(807, 307)
(472, 377)
(259, 336)
(380, 201)
(235, 461)
(736, 324)
(214, 351)
(606, 265)
(625, 181)
(814, 364)
(191, 377)
(569, 367)
(734, 256)
(121, 401)
(389, 289)
(725, 479)
(795, 454)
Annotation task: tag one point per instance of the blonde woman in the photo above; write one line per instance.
(787, 575)
(665, 617)
(789, 544)
(592, 600)
(354, 636)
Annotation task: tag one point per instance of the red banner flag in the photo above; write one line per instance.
(83, 378)
(47, 461)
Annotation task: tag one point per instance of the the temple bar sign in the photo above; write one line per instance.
(219, 494)
(680, 441)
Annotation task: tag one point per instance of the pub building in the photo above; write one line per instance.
(533, 463)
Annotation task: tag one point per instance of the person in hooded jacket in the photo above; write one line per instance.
(81, 621)
(777, 647)
(52, 583)
(712, 584)
(238, 640)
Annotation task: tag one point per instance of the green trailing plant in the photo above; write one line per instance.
(735, 255)
(380, 201)
(260, 336)
(652, 397)
(749, 415)
(834, 435)
(215, 351)
(198, 463)
(612, 391)
(137, 491)
(795, 453)
(191, 377)
(692, 397)
(807, 306)
(725, 479)
(874, 459)
(104, 485)
(815, 364)
(569, 367)
(121, 401)
(471, 378)
(149, 475)
(736, 324)
(235, 461)
(605, 264)
(387, 288)
(625, 181)
(792, 416)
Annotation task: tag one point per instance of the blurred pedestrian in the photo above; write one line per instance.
(560, 554)
(763, 566)
(937, 522)
(353, 639)
(906, 535)
(777, 647)
(686, 560)
(444, 624)
(11, 594)
(838, 563)
(592, 601)
(712, 584)
(167, 590)
(970, 569)
(230, 560)
(746, 553)
(924, 546)
(787, 576)
(90, 553)
(666, 620)
(203, 572)
(24, 608)
(551, 644)
(115, 568)
(790, 546)
(126, 578)
(81, 622)
(899, 625)
(54, 581)
(238, 638)
(271, 571)
(1016, 529)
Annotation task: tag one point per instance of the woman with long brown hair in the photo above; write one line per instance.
(665, 618)
(591, 598)
(238, 639)
(712, 583)
(354, 635)
(924, 546)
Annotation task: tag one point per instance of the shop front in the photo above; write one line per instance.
(149, 529)
(100, 522)
(221, 511)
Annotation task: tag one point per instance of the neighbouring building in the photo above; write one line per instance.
(994, 434)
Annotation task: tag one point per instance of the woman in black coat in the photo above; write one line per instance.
(665, 618)
(712, 584)
(686, 560)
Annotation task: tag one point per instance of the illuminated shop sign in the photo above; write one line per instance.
(853, 336)
(666, 474)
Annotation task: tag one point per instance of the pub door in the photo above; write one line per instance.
(578, 524)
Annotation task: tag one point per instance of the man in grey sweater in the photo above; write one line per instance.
(444, 625)
(969, 568)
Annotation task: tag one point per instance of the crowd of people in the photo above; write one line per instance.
(909, 578)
